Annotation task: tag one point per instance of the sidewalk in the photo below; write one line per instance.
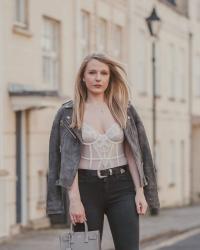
(169, 222)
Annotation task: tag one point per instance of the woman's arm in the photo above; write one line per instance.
(132, 166)
(140, 201)
(73, 192)
(76, 209)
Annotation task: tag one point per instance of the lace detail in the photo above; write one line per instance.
(100, 151)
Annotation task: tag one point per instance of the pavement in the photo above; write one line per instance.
(169, 223)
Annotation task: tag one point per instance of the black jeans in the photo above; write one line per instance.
(114, 196)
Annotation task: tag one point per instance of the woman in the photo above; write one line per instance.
(100, 154)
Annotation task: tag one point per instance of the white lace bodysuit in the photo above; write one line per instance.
(101, 151)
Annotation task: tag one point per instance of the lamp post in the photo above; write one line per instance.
(153, 23)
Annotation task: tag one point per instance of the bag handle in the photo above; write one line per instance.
(72, 231)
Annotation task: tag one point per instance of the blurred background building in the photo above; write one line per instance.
(41, 46)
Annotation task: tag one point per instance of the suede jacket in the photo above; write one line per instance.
(65, 152)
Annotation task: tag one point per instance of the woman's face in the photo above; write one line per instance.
(96, 76)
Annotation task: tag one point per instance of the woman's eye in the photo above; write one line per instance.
(104, 73)
(91, 72)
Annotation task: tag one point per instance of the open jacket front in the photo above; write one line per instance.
(65, 153)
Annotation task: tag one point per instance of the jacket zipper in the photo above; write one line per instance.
(62, 123)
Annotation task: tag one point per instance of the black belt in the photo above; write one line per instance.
(104, 172)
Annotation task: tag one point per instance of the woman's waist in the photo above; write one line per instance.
(101, 163)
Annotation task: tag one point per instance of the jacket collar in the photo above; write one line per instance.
(68, 104)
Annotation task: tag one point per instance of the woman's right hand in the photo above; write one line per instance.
(76, 211)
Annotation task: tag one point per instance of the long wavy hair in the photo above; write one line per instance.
(116, 96)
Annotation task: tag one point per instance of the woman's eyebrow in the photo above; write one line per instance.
(102, 70)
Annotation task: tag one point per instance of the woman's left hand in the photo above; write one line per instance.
(140, 201)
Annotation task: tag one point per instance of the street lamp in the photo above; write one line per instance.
(153, 23)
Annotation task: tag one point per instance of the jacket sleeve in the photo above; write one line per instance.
(54, 193)
(150, 190)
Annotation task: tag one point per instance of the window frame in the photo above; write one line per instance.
(171, 70)
(117, 52)
(141, 63)
(17, 20)
(99, 46)
(172, 163)
(54, 56)
(85, 41)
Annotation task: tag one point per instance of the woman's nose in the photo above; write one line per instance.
(98, 76)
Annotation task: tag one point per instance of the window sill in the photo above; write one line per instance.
(158, 96)
(21, 30)
(182, 100)
(3, 172)
(171, 185)
(171, 99)
(143, 94)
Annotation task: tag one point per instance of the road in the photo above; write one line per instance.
(190, 243)
(189, 240)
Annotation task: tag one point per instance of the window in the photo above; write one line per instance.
(197, 78)
(158, 163)
(198, 11)
(171, 67)
(172, 163)
(50, 52)
(21, 12)
(172, 2)
(102, 35)
(1, 129)
(85, 33)
(180, 74)
(182, 169)
(141, 66)
(41, 188)
(117, 41)
(158, 70)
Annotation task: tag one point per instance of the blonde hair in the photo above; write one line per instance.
(116, 95)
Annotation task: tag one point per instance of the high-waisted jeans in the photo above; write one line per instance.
(114, 196)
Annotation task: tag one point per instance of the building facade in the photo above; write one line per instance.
(41, 50)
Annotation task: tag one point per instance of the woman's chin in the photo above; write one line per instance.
(96, 91)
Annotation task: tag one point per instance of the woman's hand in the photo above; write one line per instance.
(140, 201)
(76, 211)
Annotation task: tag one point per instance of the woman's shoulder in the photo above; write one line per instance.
(65, 106)
(63, 109)
(132, 109)
(68, 104)
(130, 105)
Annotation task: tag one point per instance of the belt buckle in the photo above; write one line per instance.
(99, 174)
(122, 170)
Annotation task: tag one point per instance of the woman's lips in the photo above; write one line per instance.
(97, 85)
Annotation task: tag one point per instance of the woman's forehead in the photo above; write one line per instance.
(95, 64)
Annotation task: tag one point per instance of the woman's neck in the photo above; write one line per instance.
(95, 99)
